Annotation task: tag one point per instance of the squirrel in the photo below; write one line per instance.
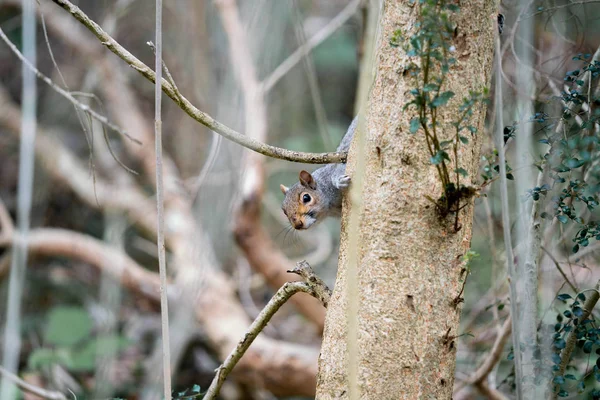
(318, 195)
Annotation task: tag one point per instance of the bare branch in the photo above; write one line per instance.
(510, 260)
(489, 393)
(83, 107)
(542, 10)
(307, 47)
(318, 287)
(167, 72)
(494, 355)
(67, 169)
(66, 243)
(160, 208)
(28, 387)
(189, 108)
(6, 224)
(559, 268)
(279, 299)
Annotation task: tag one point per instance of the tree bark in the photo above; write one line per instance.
(409, 260)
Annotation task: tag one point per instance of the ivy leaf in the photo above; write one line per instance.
(587, 346)
(463, 139)
(442, 99)
(559, 380)
(562, 218)
(564, 296)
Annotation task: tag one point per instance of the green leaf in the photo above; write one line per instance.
(558, 380)
(67, 326)
(464, 139)
(574, 163)
(461, 171)
(430, 87)
(564, 296)
(561, 168)
(562, 218)
(439, 157)
(555, 358)
(40, 358)
(442, 99)
(84, 359)
(414, 125)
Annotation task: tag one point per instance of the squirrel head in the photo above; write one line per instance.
(303, 204)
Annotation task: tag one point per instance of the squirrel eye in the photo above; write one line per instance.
(306, 198)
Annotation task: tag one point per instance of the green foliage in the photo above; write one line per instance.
(491, 168)
(71, 344)
(568, 322)
(431, 49)
(192, 393)
(570, 153)
(67, 326)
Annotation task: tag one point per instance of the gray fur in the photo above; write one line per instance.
(331, 180)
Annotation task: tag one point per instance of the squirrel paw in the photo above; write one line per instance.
(342, 182)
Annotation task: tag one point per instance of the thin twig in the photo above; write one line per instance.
(189, 108)
(554, 8)
(11, 339)
(167, 73)
(490, 393)
(313, 286)
(512, 274)
(557, 264)
(83, 107)
(160, 207)
(494, 355)
(29, 388)
(307, 47)
(565, 355)
(319, 289)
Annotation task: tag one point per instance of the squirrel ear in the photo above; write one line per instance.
(284, 189)
(307, 180)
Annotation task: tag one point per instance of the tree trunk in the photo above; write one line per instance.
(409, 260)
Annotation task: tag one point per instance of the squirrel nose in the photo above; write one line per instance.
(298, 224)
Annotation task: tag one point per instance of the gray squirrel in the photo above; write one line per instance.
(318, 195)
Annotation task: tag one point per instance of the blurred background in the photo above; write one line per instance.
(89, 325)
